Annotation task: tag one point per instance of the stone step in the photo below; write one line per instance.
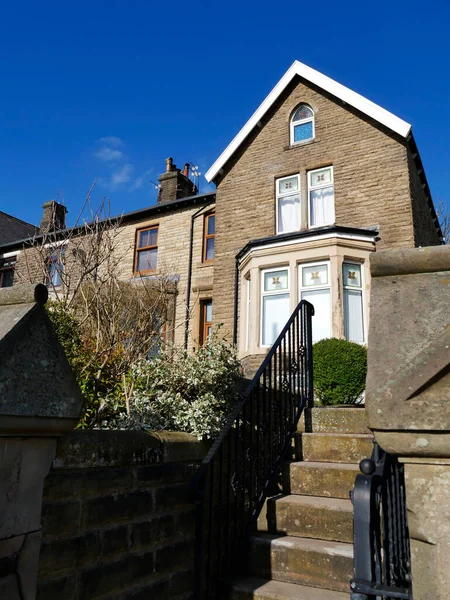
(336, 419)
(309, 517)
(333, 447)
(261, 589)
(303, 561)
(329, 480)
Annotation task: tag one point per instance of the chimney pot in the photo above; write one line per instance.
(186, 170)
(169, 163)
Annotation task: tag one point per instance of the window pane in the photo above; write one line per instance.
(276, 312)
(208, 312)
(321, 177)
(209, 253)
(353, 316)
(55, 273)
(211, 225)
(286, 186)
(303, 112)
(147, 260)
(7, 278)
(352, 275)
(322, 207)
(321, 321)
(303, 131)
(276, 280)
(289, 214)
(208, 332)
(317, 275)
(148, 238)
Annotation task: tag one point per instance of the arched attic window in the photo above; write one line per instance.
(302, 124)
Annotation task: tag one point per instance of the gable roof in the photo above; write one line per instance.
(327, 84)
(12, 228)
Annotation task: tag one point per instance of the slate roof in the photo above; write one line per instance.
(12, 229)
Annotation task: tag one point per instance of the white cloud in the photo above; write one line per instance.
(122, 175)
(109, 154)
(139, 181)
(111, 140)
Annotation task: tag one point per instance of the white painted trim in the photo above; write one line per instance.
(302, 122)
(310, 238)
(338, 90)
(318, 187)
(264, 293)
(317, 288)
(10, 254)
(286, 195)
(363, 299)
(56, 244)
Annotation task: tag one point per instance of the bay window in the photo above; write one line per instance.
(321, 197)
(315, 286)
(288, 204)
(353, 303)
(275, 304)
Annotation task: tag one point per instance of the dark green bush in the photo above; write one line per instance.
(340, 369)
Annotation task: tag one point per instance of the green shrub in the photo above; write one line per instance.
(340, 369)
(97, 376)
(177, 391)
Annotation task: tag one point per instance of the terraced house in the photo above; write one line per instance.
(316, 180)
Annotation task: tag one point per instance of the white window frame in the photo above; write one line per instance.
(312, 188)
(302, 122)
(279, 196)
(359, 289)
(247, 327)
(271, 293)
(328, 286)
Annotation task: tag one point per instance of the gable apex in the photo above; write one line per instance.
(348, 96)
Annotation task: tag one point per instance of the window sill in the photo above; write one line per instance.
(301, 144)
(203, 264)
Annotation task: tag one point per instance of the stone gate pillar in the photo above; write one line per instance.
(408, 397)
(39, 401)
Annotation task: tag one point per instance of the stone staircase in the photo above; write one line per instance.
(303, 547)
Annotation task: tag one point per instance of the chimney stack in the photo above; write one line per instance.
(174, 183)
(53, 217)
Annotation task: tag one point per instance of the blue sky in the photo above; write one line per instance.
(108, 89)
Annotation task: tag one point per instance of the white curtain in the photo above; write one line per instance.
(353, 316)
(322, 207)
(276, 312)
(289, 214)
(321, 321)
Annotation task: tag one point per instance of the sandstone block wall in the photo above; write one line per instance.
(371, 181)
(173, 262)
(117, 522)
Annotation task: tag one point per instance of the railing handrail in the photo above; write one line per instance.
(371, 556)
(238, 472)
(240, 406)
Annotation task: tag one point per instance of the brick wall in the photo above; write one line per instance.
(371, 179)
(117, 521)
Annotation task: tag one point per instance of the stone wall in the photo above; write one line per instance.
(173, 261)
(117, 521)
(371, 181)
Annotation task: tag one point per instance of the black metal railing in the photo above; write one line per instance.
(382, 563)
(236, 475)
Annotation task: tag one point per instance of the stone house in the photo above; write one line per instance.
(316, 180)
(174, 239)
